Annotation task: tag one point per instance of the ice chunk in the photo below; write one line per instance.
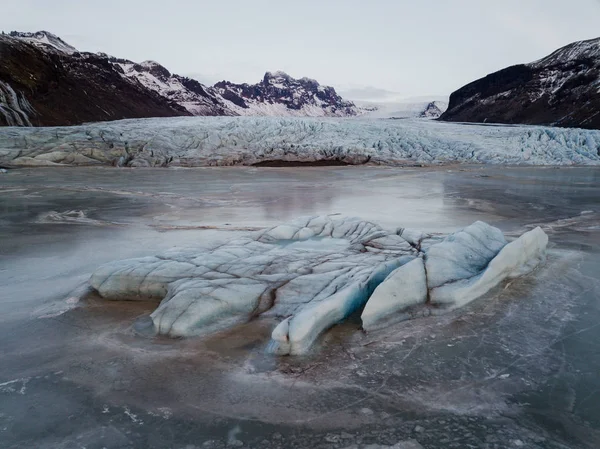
(314, 272)
(306, 326)
(463, 254)
(405, 287)
(515, 259)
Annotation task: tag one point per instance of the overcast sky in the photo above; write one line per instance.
(413, 48)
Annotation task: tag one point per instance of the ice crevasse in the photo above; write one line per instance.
(314, 272)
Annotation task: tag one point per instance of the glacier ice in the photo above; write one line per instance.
(211, 141)
(513, 260)
(463, 254)
(404, 288)
(314, 272)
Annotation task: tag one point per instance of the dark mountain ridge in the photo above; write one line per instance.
(562, 89)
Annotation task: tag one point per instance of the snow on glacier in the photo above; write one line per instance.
(207, 141)
(315, 272)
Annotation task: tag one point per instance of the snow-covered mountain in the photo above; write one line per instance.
(45, 81)
(281, 95)
(562, 89)
(48, 85)
(403, 109)
(188, 93)
(45, 40)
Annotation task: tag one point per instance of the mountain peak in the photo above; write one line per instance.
(280, 77)
(280, 94)
(45, 40)
(277, 74)
(277, 77)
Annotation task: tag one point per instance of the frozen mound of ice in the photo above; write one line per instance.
(315, 272)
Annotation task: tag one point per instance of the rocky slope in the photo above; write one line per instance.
(45, 85)
(562, 89)
(45, 81)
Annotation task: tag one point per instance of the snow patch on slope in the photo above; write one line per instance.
(45, 40)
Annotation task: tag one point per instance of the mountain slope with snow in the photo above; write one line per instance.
(562, 89)
(278, 94)
(41, 85)
(45, 40)
(196, 98)
(45, 81)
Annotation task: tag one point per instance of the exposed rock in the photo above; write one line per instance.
(188, 93)
(313, 273)
(433, 110)
(560, 90)
(46, 86)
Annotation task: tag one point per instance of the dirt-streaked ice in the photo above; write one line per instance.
(315, 272)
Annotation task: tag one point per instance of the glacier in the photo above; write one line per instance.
(224, 141)
(314, 272)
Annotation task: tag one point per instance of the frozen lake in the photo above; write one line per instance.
(517, 368)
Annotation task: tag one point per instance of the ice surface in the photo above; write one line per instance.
(463, 254)
(207, 141)
(315, 272)
(405, 287)
(514, 260)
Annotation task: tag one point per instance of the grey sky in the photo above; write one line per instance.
(410, 47)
